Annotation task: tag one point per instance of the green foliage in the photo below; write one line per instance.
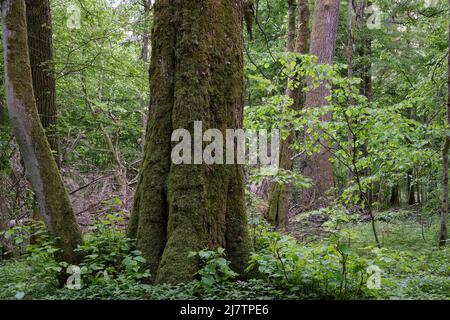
(36, 271)
(111, 267)
(316, 270)
(215, 268)
(330, 267)
(108, 253)
(280, 176)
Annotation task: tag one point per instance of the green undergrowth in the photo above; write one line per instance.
(343, 265)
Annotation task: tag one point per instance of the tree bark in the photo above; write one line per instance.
(443, 234)
(145, 58)
(323, 43)
(350, 75)
(2, 178)
(279, 196)
(54, 203)
(411, 187)
(395, 196)
(40, 46)
(196, 74)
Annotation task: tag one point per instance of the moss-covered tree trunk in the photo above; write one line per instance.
(279, 195)
(196, 74)
(54, 203)
(323, 43)
(40, 47)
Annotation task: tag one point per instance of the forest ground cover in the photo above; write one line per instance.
(333, 263)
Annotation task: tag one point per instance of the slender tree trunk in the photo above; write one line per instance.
(323, 44)
(2, 112)
(443, 235)
(196, 74)
(3, 209)
(120, 170)
(40, 46)
(411, 187)
(350, 75)
(54, 203)
(279, 195)
(145, 58)
(2, 177)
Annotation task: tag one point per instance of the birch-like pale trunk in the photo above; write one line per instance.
(54, 202)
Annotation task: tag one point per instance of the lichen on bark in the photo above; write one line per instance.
(54, 203)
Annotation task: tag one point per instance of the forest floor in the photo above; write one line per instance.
(410, 264)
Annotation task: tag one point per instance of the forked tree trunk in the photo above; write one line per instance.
(54, 203)
(40, 46)
(196, 74)
(323, 43)
(279, 195)
(443, 235)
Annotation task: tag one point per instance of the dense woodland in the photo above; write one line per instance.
(93, 205)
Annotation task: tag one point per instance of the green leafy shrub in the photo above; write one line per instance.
(111, 268)
(36, 271)
(215, 268)
(316, 270)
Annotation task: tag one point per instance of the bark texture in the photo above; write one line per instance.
(323, 43)
(443, 234)
(279, 196)
(40, 46)
(196, 74)
(54, 203)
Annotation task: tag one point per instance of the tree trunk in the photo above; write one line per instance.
(40, 46)
(3, 213)
(279, 195)
(443, 235)
(411, 187)
(196, 74)
(323, 43)
(2, 178)
(350, 75)
(395, 196)
(2, 113)
(145, 56)
(54, 203)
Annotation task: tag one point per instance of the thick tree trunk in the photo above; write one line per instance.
(40, 46)
(443, 235)
(323, 44)
(54, 203)
(196, 74)
(279, 195)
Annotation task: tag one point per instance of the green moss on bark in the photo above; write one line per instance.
(54, 203)
(196, 75)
